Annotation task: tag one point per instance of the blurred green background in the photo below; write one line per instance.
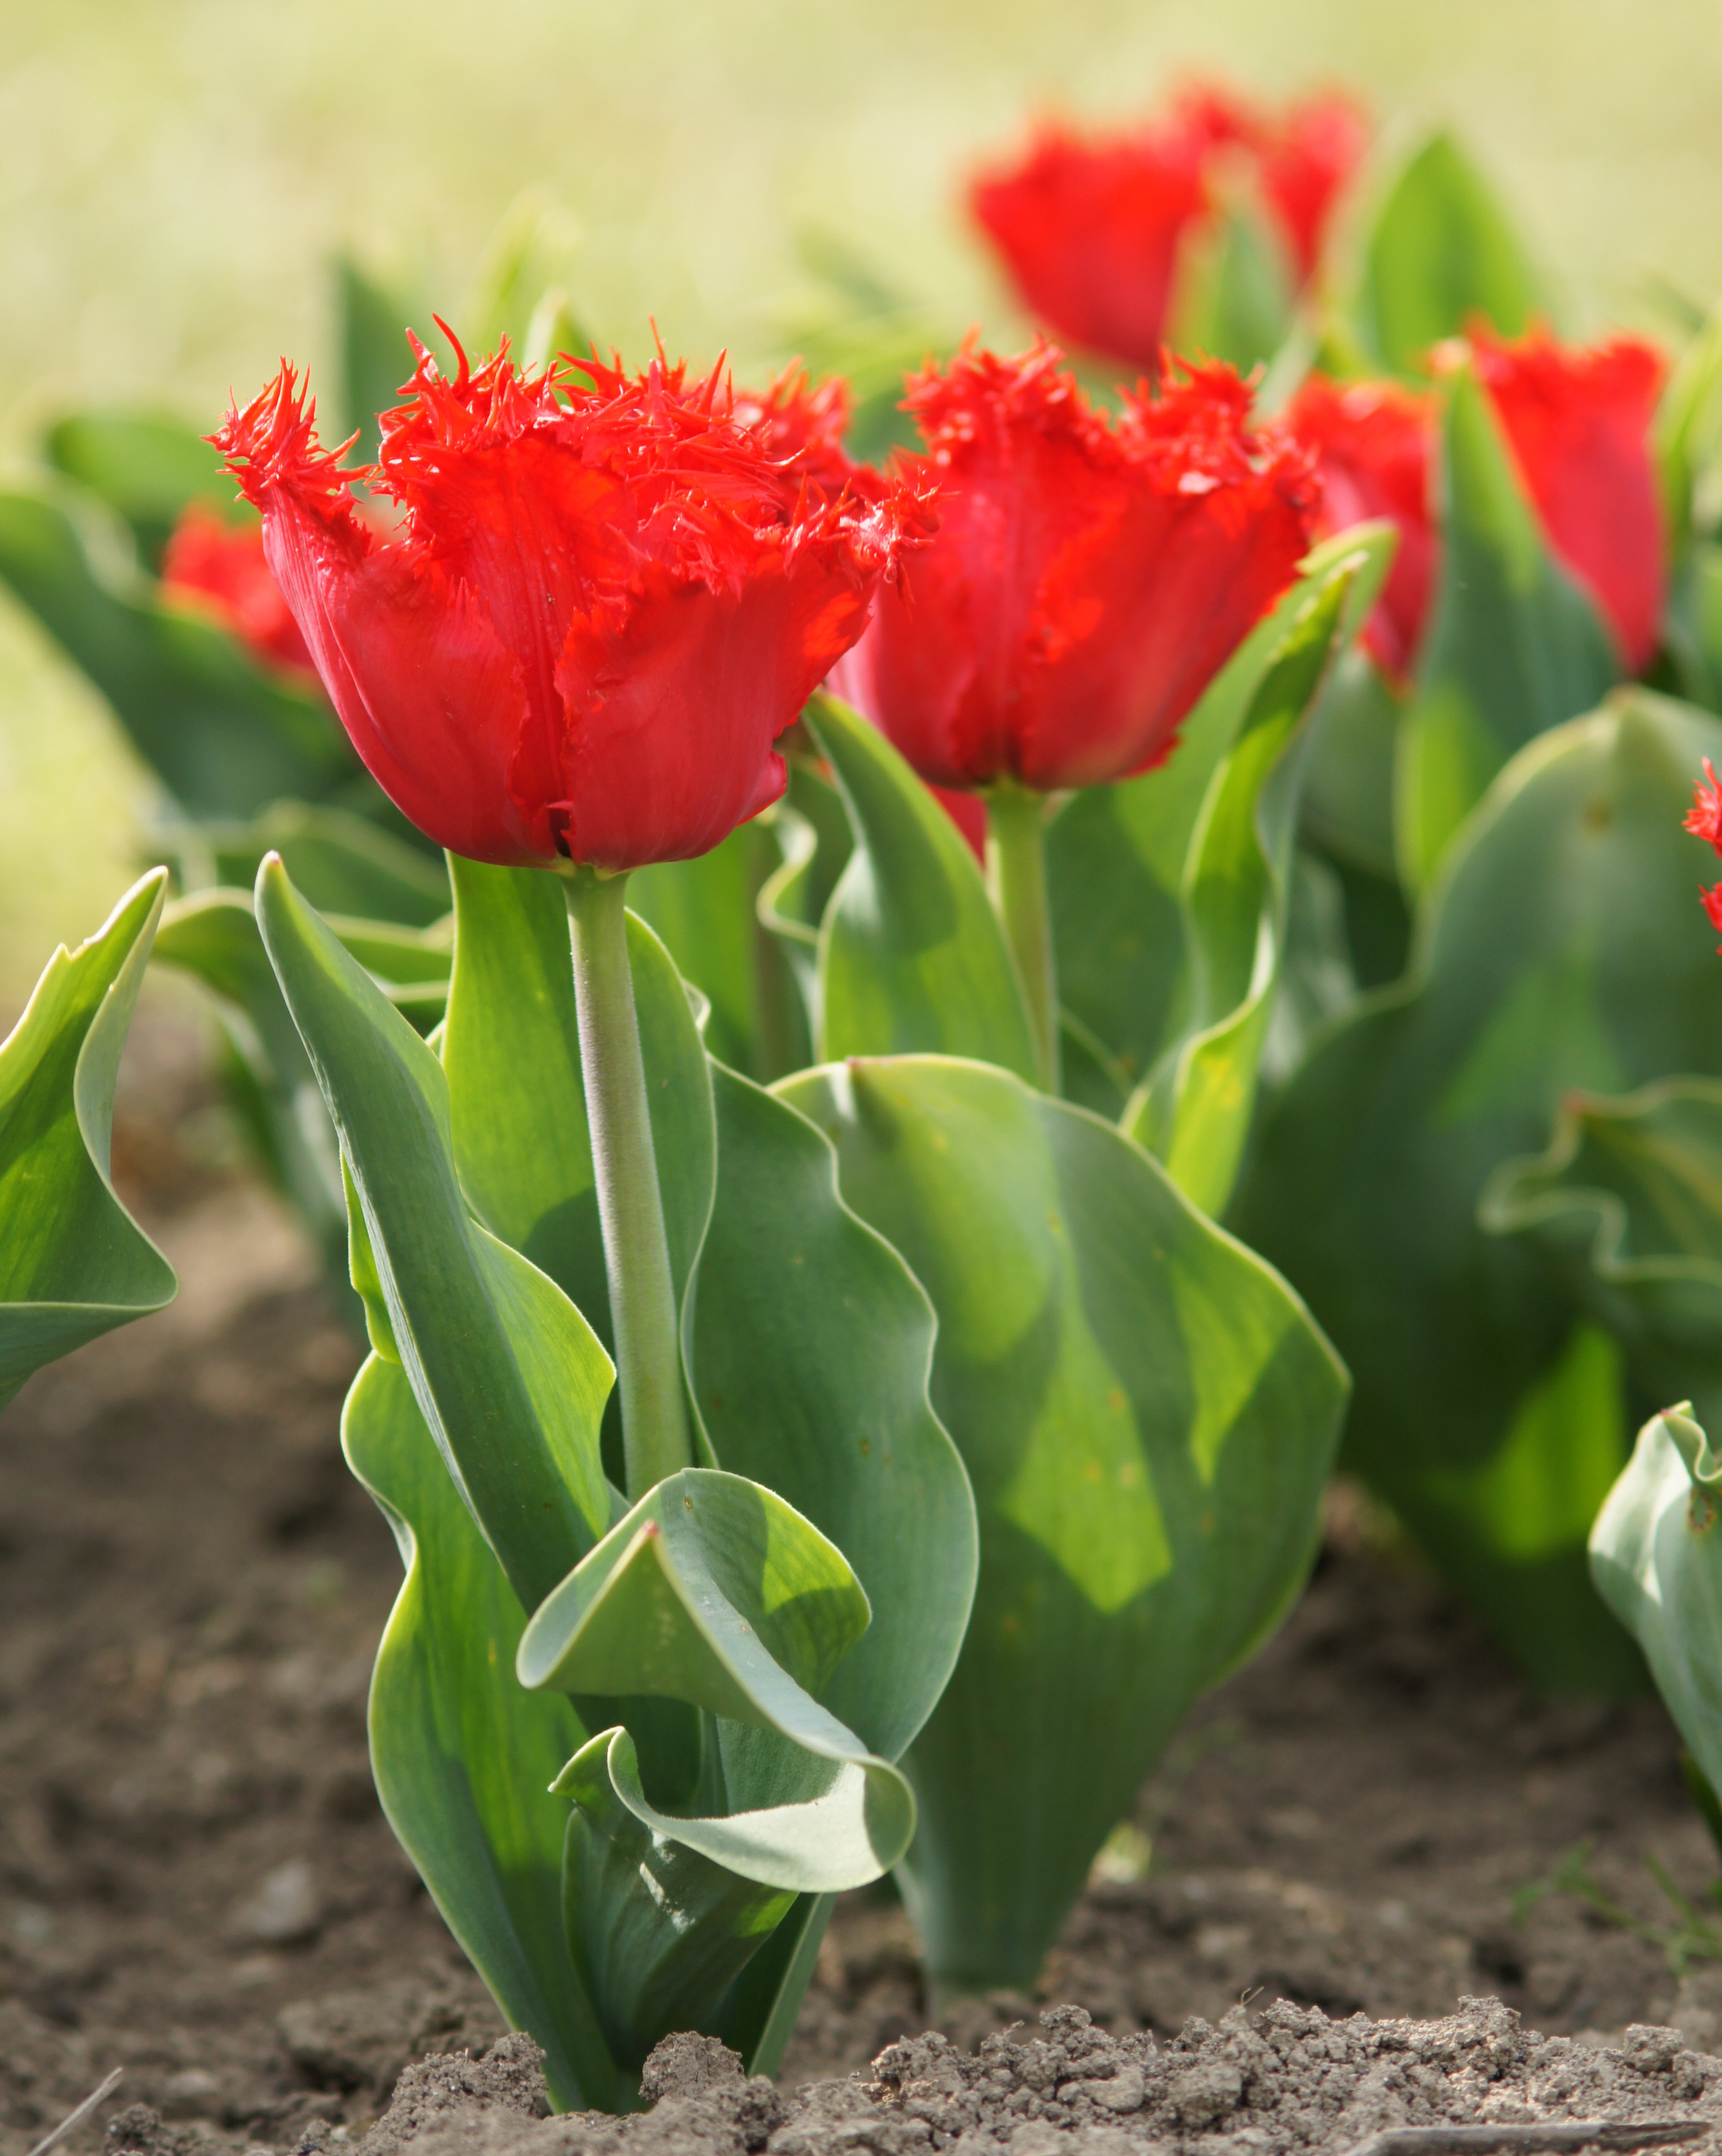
(176, 175)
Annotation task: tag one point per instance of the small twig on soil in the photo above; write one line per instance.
(1547, 2140)
(73, 2119)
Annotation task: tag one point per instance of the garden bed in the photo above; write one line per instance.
(196, 1883)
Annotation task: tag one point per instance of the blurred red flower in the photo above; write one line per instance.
(219, 568)
(602, 606)
(1087, 579)
(1091, 226)
(1374, 444)
(1578, 420)
(1306, 155)
(1704, 821)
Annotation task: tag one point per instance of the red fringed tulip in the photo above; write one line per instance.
(1091, 231)
(1087, 580)
(1374, 445)
(1306, 156)
(1705, 822)
(1091, 227)
(1579, 424)
(219, 568)
(600, 607)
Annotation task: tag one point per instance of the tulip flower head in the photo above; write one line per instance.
(1092, 226)
(606, 597)
(1087, 578)
(1374, 444)
(1705, 822)
(219, 569)
(1578, 423)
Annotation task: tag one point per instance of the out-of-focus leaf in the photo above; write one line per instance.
(226, 736)
(213, 935)
(1148, 1417)
(1514, 647)
(372, 319)
(1234, 294)
(1627, 1201)
(706, 911)
(342, 862)
(73, 1262)
(814, 840)
(1439, 251)
(464, 1758)
(1563, 950)
(147, 470)
(911, 956)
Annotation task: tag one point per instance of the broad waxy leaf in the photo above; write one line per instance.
(666, 1953)
(464, 1758)
(1563, 950)
(1148, 1417)
(1656, 1559)
(1120, 858)
(714, 1591)
(811, 1345)
(226, 736)
(1627, 1201)
(711, 1589)
(1439, 251)
(911, 956)
(813, 838)
(1235, 289)
(73, 1262)
(1514, 646)
(508, 1374)
(147, 470)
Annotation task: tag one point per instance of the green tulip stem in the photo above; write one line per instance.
(1017, 877)
(643, 1304)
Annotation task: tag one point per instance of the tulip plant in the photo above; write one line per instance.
(780, 967)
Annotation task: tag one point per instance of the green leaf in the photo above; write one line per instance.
(147, 470)
(1657, 1560)
(1439, 251)
(811, 1346)
(1628, 1202)
(658, 1931)
(225, 735)
(1692, 626)
(706, 913)
(342, 863)
(1237, 895)
(1118, 858)
(372, 320)
(1235, 289)
(507, 1374)
(1563, 950)
(911, 956)
(464, 1758)
(1514, 647)
(511, 1053)
(1347, 807)
(213, 935)
(73, 1263)
(813, 838)
(712, 1590)
(1687, 437)
(1147, 1415)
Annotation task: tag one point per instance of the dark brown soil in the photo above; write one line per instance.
(196, 1883)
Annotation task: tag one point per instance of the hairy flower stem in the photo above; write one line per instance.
(642, 1307)
(1017, 876)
